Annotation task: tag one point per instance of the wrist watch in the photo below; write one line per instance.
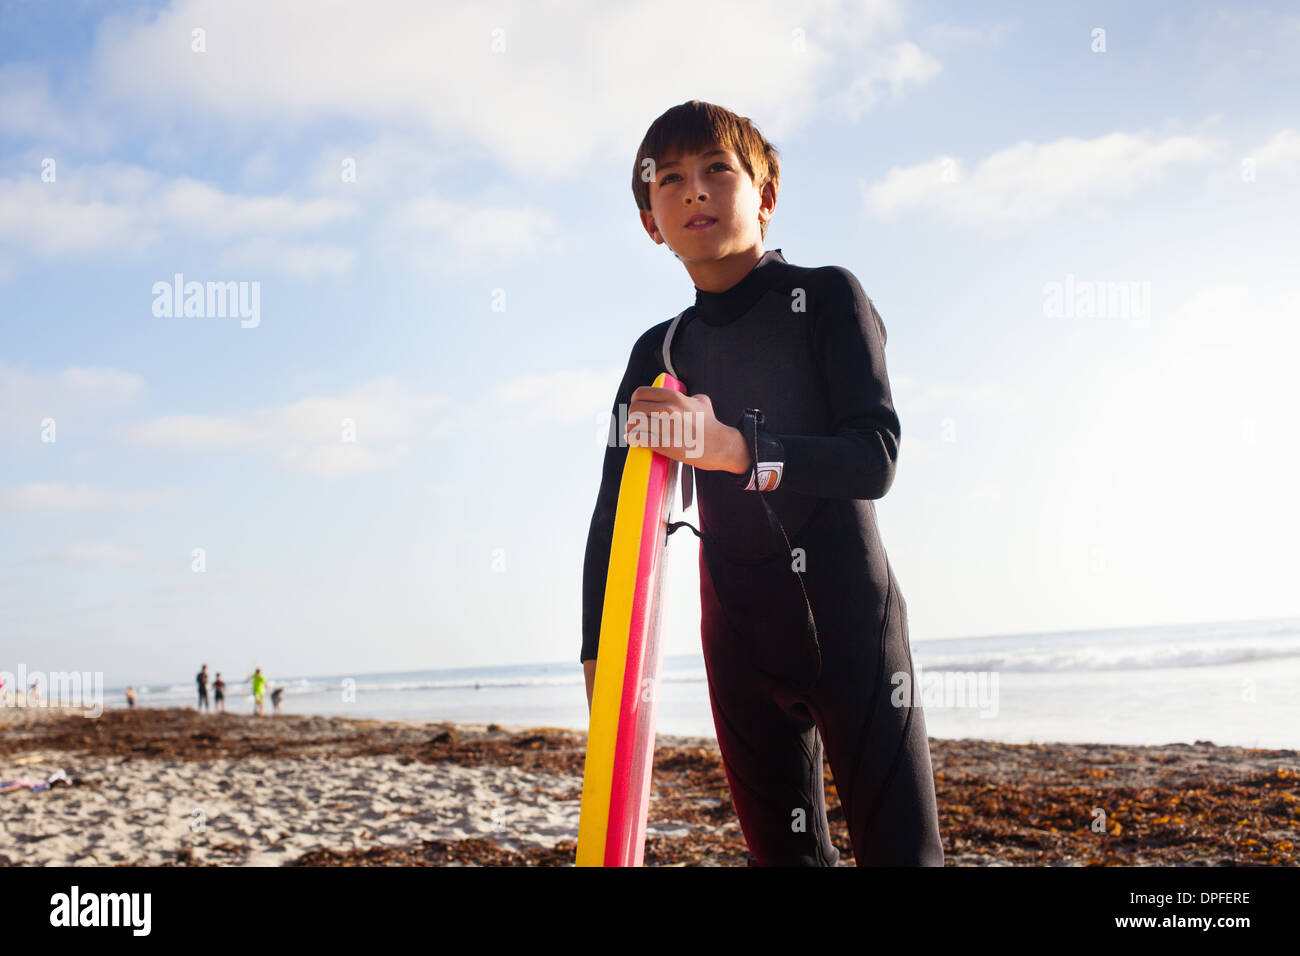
(766, 452)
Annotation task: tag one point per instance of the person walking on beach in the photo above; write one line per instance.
(259, 686)
(803, 623)
(219, 694)
(275, 699)
(202, 678)
(130, 697)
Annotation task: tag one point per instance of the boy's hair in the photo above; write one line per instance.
(694, 127)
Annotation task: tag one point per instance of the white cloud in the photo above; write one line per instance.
(367, 428)
(106, 384)
(400, 70)
(1270, 168)
(205, 210)
(30, 110)
(394, 165)
(410, 66)
(949, 35)
(1282, 152)
(93, 553)
(899, 65)
(561, 397)
(1031, 180)
(56, 496)
(50, 221)
(193, 431)
(112, 206)
(341, 459)
(302, 259)
(427, 227)
(70, 397)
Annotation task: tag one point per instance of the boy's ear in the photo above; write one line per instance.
(648, 223)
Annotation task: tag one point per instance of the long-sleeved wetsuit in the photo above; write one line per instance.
(806, 346)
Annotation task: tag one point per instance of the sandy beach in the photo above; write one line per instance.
(173, 787)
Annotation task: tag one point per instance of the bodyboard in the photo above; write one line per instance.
(620, 737)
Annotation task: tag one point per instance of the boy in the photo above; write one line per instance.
(803, 625)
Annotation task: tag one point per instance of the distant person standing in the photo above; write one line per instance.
(219, 694)
(202, 678)
(259, 687)
(130, 697)
(276, 695)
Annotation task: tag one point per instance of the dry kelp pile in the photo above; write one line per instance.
(1036, 804)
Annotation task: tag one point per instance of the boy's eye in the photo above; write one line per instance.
(668, 178)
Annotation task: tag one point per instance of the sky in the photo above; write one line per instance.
(390, 463)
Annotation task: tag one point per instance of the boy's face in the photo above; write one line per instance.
(712, 184)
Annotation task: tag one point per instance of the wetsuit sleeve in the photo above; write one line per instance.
(642, 367)
(859, 458)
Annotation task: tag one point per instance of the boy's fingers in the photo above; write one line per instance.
(655, 396)
(656, 400)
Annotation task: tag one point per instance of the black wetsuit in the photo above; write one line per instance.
(805, 346)
(202, 678)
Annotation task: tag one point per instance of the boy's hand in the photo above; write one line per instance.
(684, 428)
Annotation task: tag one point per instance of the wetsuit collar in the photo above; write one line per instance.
(721, 308)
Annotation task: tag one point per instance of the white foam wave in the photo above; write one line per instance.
(1104, 658)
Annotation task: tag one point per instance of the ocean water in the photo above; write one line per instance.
(1232, 683)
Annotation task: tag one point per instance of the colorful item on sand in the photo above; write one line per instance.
(35, 784)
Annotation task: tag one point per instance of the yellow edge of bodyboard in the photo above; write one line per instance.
(611, 657)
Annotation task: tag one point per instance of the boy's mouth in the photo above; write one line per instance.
(700, 222)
